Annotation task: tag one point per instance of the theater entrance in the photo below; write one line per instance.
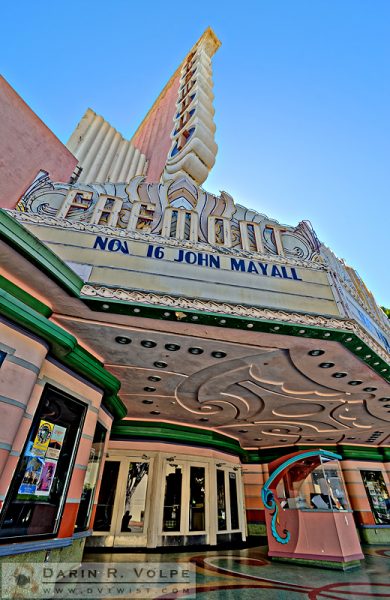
(155, 499)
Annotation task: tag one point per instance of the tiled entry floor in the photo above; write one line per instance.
(249, 575)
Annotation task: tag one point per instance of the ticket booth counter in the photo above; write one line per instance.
(308, 516)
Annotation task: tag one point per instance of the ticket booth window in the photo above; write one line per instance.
(37, 492)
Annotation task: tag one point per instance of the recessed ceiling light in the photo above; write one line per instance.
(358, 348)
(355, 382)
(386, 405)
(316, 352)
(368, 356)
(172, 347)
(384, 399)
(258, 439)
(154, 412)
(301, 331)
(137, 310)
(203, 419)
(222, 321)
(160, 364)
(148, 344)
(369, 389)
(167, 314)
(348, 339)
(194, 318)
(120, 339)
(154, 378)
(376, 364)
(242, 431)
(326, 365)
(218, 354)
(383, 370)
(327, 334)
(339, 375)
(195, 350)
(309, 440)
(250, 325)
(147, 401)
(149, 389)
(105, 306)
(351, 438)
(276, 328)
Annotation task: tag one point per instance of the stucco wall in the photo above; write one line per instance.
(26, 147)
(153, 136)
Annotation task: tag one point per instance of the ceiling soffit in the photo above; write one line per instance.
(261, 389)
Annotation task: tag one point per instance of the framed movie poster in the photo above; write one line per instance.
(37, 492)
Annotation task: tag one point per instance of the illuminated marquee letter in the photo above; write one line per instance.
(141, 217)
(277, 231)
(75, 199)
(187, 223)
(219, 231)
(251, 236)
(107, 210)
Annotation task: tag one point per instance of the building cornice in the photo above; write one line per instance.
(347, 332)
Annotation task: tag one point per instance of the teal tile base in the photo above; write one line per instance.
(322, 564)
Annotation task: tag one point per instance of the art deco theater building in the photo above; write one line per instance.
(177, 369)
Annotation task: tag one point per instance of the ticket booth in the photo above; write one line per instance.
(308, 515)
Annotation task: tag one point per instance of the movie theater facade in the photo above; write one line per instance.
(191, 371)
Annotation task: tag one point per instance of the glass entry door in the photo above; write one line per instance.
(162, 500)
(122, 510)
(184, 510)
(228, 515)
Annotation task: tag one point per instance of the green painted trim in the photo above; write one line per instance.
(349, 340)
(24, 297)
(180, 434)
(65, 348)
(257, 529)
(374, 535)
(45, 259)
(319, 562)
(359, 453)
(169, 432)
(61, 341)
(386, 453)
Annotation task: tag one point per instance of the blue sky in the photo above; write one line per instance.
(302, 93)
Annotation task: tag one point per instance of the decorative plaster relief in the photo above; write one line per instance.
(179, 211)
(250, 312)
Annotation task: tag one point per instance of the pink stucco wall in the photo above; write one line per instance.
(153, 136)
(26, 147)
